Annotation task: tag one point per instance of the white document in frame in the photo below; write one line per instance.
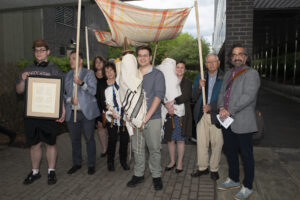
(226, 122)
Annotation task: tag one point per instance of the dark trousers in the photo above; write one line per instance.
(88, 128)
(113, 134)
(233, 144)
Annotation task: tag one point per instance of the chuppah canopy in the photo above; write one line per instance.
(139, 25)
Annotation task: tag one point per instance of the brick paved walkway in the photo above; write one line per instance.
(15, 165)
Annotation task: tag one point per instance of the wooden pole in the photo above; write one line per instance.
(200, 51)
(77, 55)
(154, 56)
(87, 47)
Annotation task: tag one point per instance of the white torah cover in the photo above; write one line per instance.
(132, 95)
(168, 68)
(110, 102)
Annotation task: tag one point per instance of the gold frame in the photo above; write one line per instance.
(43, 97)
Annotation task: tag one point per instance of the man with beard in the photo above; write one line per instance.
(237, 99)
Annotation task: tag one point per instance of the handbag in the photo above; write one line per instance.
(103, 116)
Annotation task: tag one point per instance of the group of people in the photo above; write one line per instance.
(98, 105)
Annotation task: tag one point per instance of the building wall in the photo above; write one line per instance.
(219, 25)
(239, 25)
(18, 29)
(59, 35)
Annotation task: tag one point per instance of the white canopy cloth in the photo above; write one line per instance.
(139, 25)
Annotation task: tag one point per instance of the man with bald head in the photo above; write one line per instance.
(207, 132)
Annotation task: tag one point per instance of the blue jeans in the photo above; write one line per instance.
(233, 144)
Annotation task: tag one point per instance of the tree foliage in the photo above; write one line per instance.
(184, 47)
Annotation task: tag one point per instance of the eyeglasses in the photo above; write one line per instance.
(145, 55)
(39, 50)
(238, 55)
(211, 62)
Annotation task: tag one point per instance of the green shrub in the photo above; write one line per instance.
(22, 63)
(191, 74)
(62, 63)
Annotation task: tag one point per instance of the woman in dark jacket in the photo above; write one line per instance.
(98, 67)
(183, 125)
(115, 121)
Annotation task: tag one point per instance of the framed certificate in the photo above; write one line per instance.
(43, 97)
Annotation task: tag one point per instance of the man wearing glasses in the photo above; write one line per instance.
(237, 99)
(39, 131)
(154, 86)
(207, 132)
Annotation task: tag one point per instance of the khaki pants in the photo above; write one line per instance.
(149, 137)
(208, 133)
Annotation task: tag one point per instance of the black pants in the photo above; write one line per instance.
(233, 144)
(113, 134)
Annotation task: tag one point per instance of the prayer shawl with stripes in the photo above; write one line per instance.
(132, 94)
(139, 25)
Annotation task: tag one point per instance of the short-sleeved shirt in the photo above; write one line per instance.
(50, 70)
(154, 86)
(41, 130)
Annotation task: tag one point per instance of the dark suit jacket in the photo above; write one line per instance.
(197, 97)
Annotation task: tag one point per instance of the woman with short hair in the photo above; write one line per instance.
(115, 123)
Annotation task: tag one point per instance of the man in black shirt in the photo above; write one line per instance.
(39, 131)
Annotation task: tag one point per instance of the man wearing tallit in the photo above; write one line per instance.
(153, 83)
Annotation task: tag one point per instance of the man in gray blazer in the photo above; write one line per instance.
(87, 111)
(237, 99)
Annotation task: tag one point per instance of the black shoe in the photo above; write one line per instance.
(52, 178)
(135, 181)
(214, 176)
(103, 154)
(193, 140)
(177, 171)
(91, 170)
(111, 167)
(31, 178)
(199, 173)
(74, 169)
(125, 166)
(170, 168)
(157, 183)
